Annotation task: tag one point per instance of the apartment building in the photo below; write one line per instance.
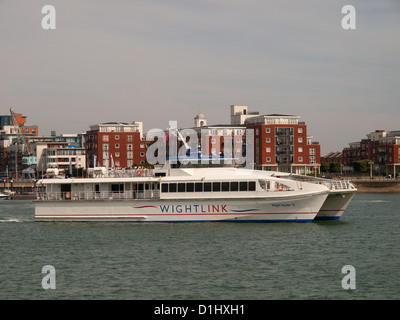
(115, 144)
(59, 155)
(281, 142)
(382, 147)
(12, 148)
(7, 121)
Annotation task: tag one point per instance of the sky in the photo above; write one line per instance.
(161, 60)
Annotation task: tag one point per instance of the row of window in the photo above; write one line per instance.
(129, 154)
(268, 130)
(208, 186)
(300, 159)
(269, 140)
(117, 137)
(299, 149)
(117, 145)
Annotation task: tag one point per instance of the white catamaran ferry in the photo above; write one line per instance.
(179, 195)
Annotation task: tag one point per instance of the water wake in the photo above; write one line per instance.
(10, 220)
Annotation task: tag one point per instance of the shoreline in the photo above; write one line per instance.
(377, 186)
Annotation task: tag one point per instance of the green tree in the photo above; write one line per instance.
(361, 166)
(325, 167)
(334, 167)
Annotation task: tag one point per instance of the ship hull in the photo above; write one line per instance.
(300, 208)
(335, 205)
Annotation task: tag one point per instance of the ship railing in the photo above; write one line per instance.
(339, 185)
(102, 195)
(120, 173)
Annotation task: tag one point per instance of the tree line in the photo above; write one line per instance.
(361, 166)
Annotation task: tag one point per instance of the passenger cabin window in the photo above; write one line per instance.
(117, 187)
(234, 186)
(172, 187)
(198, 186)
(210, 186)
(189, 187)
(181, 187)
(216, 186)
(252, 186)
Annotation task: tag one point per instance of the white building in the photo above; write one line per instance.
(58, 155)
(239, 114)
(134, 126)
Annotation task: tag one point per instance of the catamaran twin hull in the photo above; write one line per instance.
(335, 204)
(300, 208)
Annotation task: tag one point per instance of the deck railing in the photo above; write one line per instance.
(339, 185)
(102, 195)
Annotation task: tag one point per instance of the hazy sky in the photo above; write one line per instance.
(160, 60)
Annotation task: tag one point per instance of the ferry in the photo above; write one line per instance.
(3, 196)
(6, 194)
(183, 194)
(341, 192)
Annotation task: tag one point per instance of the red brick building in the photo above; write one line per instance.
(115, 143)
(281, 142)
(382, 148)
(332, 157)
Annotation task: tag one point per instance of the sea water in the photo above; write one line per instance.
(203, 260)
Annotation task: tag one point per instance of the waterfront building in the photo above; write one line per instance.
(11, 156)
(212, 140)
(58, 155)
(200, 120)
(281, 142)
(240, 113)
(381, 147)
(117, 144)
(7, 121)
(333, 156)
(75, 140)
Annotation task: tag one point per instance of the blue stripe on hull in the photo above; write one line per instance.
(327, 218)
